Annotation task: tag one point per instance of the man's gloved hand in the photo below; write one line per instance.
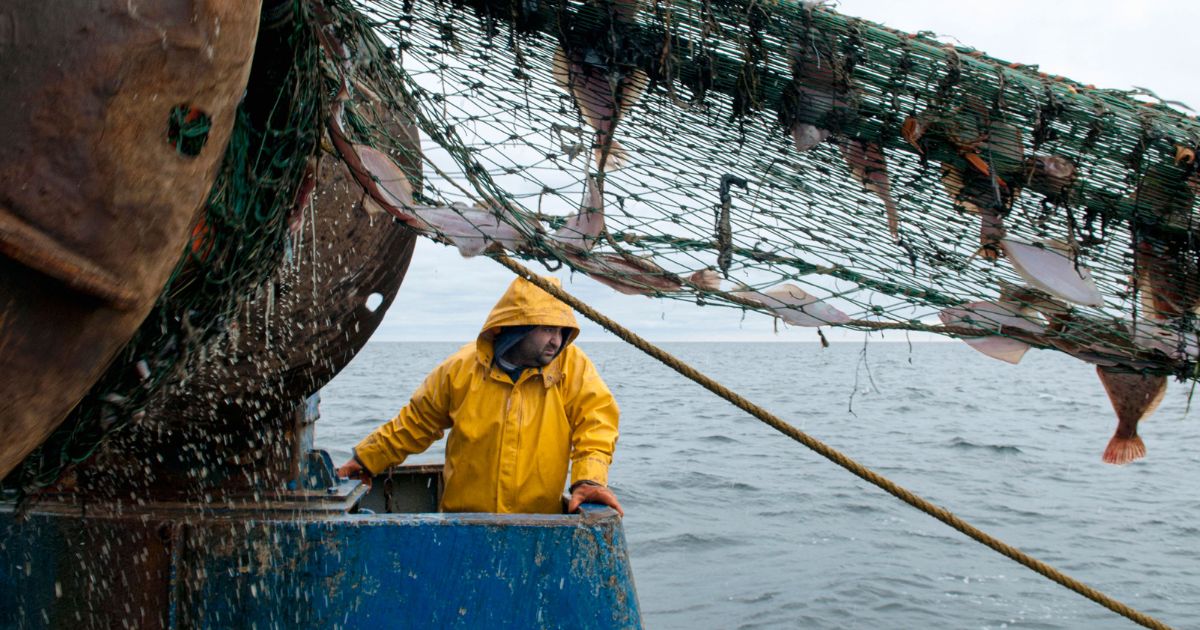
(592, 492)
(354, 470)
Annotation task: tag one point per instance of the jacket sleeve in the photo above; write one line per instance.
(593, 415)
(419, 424)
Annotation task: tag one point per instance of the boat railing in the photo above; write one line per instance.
(417, 489)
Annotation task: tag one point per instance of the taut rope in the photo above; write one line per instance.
(835, 456)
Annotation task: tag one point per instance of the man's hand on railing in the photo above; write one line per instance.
(592, 492)
(354, 470)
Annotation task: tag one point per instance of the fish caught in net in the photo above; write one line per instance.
(778, 157)
(785, 158)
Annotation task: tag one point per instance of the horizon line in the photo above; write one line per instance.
(619, 341)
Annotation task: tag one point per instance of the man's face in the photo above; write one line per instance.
(538, 348)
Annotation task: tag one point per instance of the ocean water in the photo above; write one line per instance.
(733, 525)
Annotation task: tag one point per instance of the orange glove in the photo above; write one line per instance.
(354, 470)
(591, 492)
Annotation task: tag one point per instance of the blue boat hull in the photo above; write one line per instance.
(314, 564)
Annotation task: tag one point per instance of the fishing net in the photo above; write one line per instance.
(781, 158)
(795, 161)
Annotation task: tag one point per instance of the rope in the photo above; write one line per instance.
(835, 456)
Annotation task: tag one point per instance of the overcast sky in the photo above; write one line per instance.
(1111, 44)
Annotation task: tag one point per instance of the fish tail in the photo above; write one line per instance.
(617, 156)
(912, 130)
(1122, 450)
(988, 250)
(561, 69)
(991, 233)
(806, 136)
(632, 88)
(893, 218)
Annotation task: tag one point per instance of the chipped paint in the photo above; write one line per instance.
(315, 569)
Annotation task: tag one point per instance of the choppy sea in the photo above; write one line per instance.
(732, 525)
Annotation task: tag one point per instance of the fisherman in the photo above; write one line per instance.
(523, 403)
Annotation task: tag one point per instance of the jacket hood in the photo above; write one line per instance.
(523, 304)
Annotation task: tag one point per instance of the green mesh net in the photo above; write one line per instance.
(792, 160)
(776, 157)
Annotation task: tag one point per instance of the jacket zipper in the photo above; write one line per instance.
(517, 452)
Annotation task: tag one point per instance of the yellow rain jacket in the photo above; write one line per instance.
(509, 444)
